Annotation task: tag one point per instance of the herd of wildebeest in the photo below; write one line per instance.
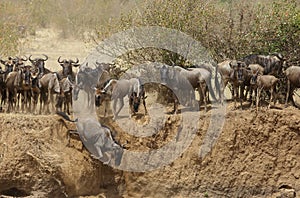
(32, 88)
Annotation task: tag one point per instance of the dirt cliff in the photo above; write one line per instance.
(256, 155)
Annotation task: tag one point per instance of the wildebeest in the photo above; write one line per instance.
(39, 65)
(2, 88)
(19, 62)
(67, 68)
(25, 88)
(189, 80)
(98, 140)
(35, 90)
(234, 72)
(64, 100)
(49, 85)
(123, 87)
(264, 82)
(272, 64)
(86, 80)
(251, 70)
(9, 66)
(12, 83)
(293, 81)
(202, 83)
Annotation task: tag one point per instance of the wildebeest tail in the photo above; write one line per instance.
(65, 116)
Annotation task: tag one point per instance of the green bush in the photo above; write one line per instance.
(228, 29)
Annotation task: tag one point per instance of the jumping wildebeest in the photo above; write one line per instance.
(293, 81)
(98, 140)
(264, 82)
(272, 64)
(67, 68)
(49, 86)
(121, 88)
(39, 65)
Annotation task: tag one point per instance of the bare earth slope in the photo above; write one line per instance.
(256, 155)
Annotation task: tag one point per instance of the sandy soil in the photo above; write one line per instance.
(51, 42)
(256, 155)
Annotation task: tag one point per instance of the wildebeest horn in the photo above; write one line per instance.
(77, 61)
(30, 58)
(279, 55)
(58, 60)
(46, 57)
(24, 59)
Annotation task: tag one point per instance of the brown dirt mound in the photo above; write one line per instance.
(36, 161)
(257, 154)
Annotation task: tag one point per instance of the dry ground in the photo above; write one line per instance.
(257, 154)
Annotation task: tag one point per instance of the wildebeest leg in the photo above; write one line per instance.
(67, 104)
(202, 93)
(242, 89)
(176, 104)
(41, 102)
(272, 97)
(241, 98)
(51, 97)
(222, 96)
(258, 97)
(235, 94)
(23, 101)
(144, 103)
(131, 110)
(28, 93)
(289, 93)
(115, 101)
(121, 106)
(253, 89)
(250, 91)
(35, 101)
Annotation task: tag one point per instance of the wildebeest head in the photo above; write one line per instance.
(39, 63)
(100, 96)
(67, 65)
(164, 74)
(254, 76)
(135, 101)
(19, 62)
(167, 74)
(9, 64)
(238, 71)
